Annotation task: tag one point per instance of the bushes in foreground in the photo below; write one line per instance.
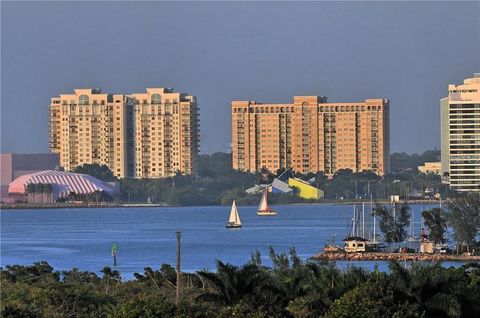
(290, 288)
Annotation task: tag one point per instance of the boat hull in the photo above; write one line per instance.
(267, 213)
(233, 226)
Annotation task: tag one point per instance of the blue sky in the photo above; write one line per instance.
(221, 51)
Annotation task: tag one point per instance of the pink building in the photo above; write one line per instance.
(13, 165)
(62, 184)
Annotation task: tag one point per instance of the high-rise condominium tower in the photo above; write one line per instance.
(460, 134)
(311, 135)
(146, 135)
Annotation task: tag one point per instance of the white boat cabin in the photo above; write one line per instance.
(355, 244)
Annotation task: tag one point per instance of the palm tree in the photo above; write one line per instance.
(96, 195)
(439, 292)
(463, 217)
(107, 275)
(116, 277)
(392, 222)
(231, 284)
(31, 189)
(436, 223)
(41, 191)
(314, 301)
(49, 191)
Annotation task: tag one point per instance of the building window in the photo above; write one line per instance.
(156, 99)
(83, 100)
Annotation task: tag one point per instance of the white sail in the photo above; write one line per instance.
(263, 206)
(234, 217)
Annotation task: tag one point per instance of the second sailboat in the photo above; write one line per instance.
(263, 208)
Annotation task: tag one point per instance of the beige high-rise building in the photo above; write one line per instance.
(165, 133)
(145, 135)
(311, 135)
(460, 135)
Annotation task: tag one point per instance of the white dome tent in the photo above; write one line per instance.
(62, 184)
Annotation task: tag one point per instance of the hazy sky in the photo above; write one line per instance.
(405, 51)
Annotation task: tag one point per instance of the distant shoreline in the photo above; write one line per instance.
(22, 206)
(95, 205)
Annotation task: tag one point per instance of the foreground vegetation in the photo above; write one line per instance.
(290, 288)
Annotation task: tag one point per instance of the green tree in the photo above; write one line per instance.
(108, 276)
(405, 161)
(386, 223)
(48, 191)
(145, 306)
(231, 284)
(41, 191)
(291, 288)
(393, 222)
(370, 300)
(463, 215)
(434, 289)
(31, 190)
(436, 224)
(101, 172)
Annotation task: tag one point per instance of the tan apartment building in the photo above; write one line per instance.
(460, 135)
(165, 133)
(311, 135)
(430, 167)
(146, 135)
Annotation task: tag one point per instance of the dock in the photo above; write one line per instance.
(383, 256)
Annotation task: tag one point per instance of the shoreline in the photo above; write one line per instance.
(104, 205)
(95, 205)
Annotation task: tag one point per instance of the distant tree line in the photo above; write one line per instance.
(101, 172)
(403, 161)
(39, 192)
(217, 183)
(95, 196)
(290, 288)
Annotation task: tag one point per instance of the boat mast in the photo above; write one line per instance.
(413, 223)
(266, 198)
(374, 219)
(354, 221)
(421, 224)
(363, 219)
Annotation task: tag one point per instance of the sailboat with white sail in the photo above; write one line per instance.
(234, 220)
(263, 208)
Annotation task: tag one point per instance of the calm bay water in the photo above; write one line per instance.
(83, 238)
